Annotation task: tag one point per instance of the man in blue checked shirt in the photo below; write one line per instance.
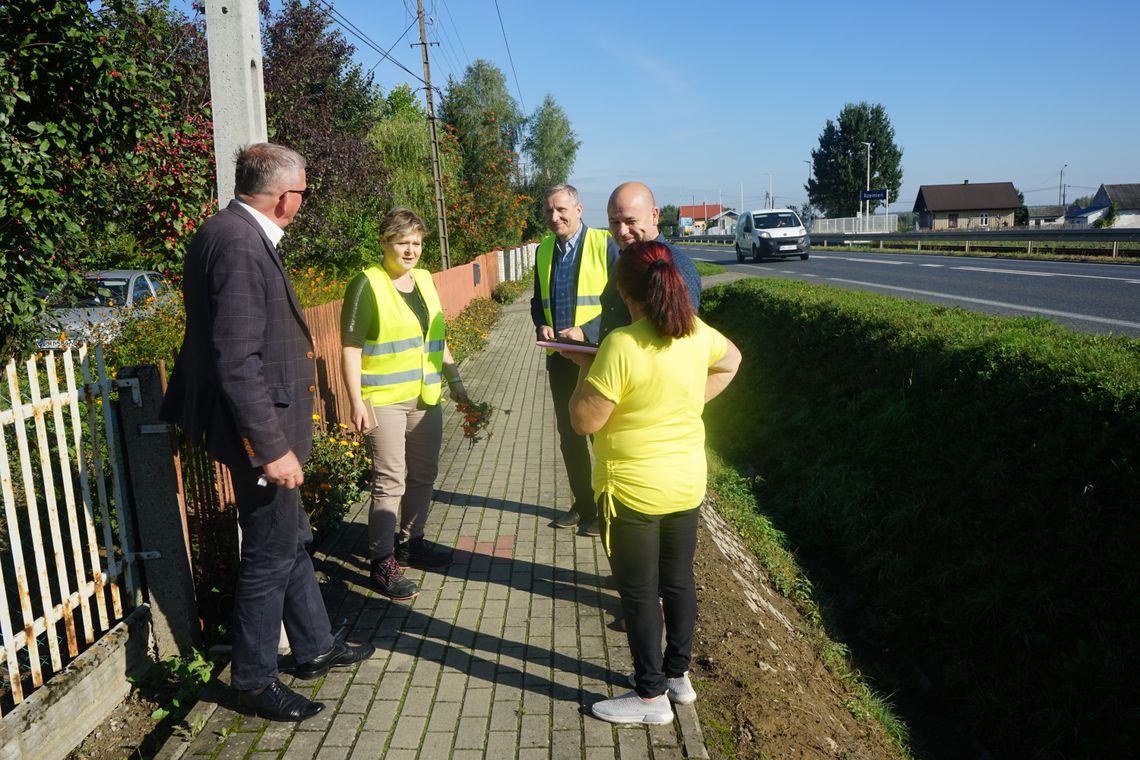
(571, 269)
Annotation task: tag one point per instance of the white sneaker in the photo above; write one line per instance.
(679, 689)
(630, 708)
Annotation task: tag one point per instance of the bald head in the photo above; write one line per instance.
(633, 214)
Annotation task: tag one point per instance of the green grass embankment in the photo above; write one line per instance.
(974, 483)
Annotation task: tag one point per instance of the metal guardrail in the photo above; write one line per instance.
(1016, 234)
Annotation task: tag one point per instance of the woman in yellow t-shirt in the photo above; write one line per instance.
(642, 396)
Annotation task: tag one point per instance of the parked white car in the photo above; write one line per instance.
(95, 312)
(771, 233)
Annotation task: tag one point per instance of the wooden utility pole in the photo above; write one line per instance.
(436, 172)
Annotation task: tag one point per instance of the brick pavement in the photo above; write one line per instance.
(498, 655)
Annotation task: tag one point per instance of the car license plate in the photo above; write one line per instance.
(787, 248)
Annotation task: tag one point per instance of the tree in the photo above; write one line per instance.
(550, 146)
(487, 209)
(806, 213)
(402, 141)
(1083, 202)
(481, 109)
(74, 102)
(839, 165)
(321, 104)
(1021, 213)
(667, 219)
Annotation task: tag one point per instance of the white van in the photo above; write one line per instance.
(771, 233)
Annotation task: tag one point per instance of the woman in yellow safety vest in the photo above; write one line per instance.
(395, 359)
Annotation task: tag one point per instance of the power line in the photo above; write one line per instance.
(463, 49)
(337, 18)
(438, 29)
(394, 44)
(510, 57)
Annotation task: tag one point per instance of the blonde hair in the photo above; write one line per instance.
(400, 221)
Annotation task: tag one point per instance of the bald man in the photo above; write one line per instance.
(633, 215)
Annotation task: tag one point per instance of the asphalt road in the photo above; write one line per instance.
(1092, 298)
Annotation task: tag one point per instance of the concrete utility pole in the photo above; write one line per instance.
(436, 172)
(1061, 187)
(237, 89)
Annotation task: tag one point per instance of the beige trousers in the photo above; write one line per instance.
(405, 460)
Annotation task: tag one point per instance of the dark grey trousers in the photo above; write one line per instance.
(276, 583)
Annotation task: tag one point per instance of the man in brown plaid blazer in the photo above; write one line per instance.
(243, 383)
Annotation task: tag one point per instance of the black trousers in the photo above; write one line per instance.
(276, 582)
(651, 555)
(563, 376)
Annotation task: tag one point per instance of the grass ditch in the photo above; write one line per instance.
(732, 496)
(964, 491)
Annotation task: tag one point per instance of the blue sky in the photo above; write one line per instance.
(697, 99)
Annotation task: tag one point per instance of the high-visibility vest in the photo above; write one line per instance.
(400, 364)
(592, 275)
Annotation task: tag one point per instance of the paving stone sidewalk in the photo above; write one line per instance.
(499, 655)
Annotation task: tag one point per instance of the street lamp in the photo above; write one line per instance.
(1061, 188)
(868, 212)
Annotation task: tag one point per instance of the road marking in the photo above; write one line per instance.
(1001, 304)
(995, 270)
(1128, 280)
(1010, 271)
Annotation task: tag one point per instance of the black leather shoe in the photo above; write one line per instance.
(341, 654)
(277, 702)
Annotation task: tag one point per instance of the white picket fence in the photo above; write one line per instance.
(65, 558)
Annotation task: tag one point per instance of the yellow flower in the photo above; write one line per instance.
(331, 439)
(317, 417)
(356, 443)
(343, 442)
(342, 426)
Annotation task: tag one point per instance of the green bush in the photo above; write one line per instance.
(509, 291)
(969, 483)
(467, 333)
(152, 334)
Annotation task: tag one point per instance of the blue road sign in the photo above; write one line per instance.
(873, 195)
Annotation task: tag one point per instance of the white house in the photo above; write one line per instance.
(1126, 198)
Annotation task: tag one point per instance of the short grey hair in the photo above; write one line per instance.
(562, 187)
(260, 167)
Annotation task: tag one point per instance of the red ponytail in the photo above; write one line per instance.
(646, 273)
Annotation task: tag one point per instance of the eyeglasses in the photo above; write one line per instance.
(303, 193)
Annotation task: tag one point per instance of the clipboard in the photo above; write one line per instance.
(559, 345)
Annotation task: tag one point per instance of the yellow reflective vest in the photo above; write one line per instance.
(402, 362)
(592, 275)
